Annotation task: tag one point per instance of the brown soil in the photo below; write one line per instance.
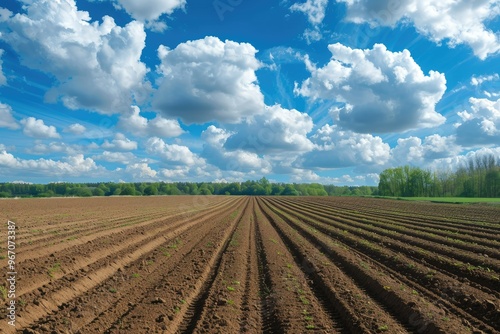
(212, 264)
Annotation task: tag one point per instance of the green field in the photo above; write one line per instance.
(461, 200)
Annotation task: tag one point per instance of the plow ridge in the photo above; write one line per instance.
(217, 264)
(449, 298)
(270, 323)
(196, 307)
(442, 258)
(487, 243)
(331, 303)
(253, 277)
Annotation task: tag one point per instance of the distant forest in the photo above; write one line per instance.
(260, 187)
(479, 177)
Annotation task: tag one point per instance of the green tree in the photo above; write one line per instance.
(277, 189)
(290, 191)
(129, 190)
(114, 189)
(98, 192)
(83, 192)
(205, 191)
(492, 181)
(232, 188)
(174, 190)
(478, 177)
(266, 186)
(151, 190)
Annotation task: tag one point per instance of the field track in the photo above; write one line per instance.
(217, 264)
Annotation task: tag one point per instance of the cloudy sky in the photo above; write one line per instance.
(329, 91)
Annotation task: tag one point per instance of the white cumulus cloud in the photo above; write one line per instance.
(97, 65)
(175, 174)
(415, 151)
(76, 129)
(6, 118)
(240, 161)
(337, 148)
(312, 35)
(54, 147)
(4, 14)
(119, 157)
(141, 171)
(454, 21)
(151, 10)
(208, 80)
(314, 9)
(75, 165)
(275, 130)
(172, 153)
(120, 143)
(383, 91)
(481, 124)
(36, 128)
(138, 125)
(478, 81)
(461, 160)
(304, 175)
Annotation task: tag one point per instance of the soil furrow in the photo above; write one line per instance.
(123, 225)
(251, 303)
(202, 313)
(219, 264)
(368, 265)
(457, 237)
(170, 304)
(96, 248)
(270, 322)
(166, 261)
(346, 300)
(481, 270)
(473, 215)
(291, 298)
(60, 291)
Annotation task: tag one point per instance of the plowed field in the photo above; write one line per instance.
(252, 265)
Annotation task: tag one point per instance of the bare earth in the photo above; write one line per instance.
(216, 264)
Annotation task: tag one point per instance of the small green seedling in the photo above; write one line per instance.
(55, 268)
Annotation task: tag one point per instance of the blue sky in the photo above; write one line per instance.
(228, 90)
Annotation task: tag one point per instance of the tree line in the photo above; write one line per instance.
(261, 187)
(478, 177)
